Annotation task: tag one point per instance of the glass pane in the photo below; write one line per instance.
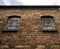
(12, 24)
(48, 24)
(11, 28)
(14, 18)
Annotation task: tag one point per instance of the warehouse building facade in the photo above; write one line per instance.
(29, 28)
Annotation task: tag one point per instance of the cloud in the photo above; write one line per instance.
(10, 2)
(38, 2)
(1, 2)
(14, 2)
(6, 2)
(58, 2)
(30, 2)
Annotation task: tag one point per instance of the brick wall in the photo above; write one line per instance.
(30, 35)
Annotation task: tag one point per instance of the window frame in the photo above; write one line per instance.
(12, 30)
(48, 30)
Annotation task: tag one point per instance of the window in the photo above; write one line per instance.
(47, 23)
(12, 24)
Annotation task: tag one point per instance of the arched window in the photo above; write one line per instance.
(12, 23)
(48, 23)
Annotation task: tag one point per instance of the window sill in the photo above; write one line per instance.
(49, 30)
(10, 31)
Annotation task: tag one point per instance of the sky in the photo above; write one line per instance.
(30, 2)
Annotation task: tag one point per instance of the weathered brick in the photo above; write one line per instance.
(40, 47)
(4, 46)
(23, 46)
(55, 46)
(30, 32)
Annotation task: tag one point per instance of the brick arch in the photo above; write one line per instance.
(13, 16)
(47, 16)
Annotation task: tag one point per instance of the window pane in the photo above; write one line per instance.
(47, 24)
(12, 24)
(11, 28)
(14, 19)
